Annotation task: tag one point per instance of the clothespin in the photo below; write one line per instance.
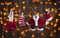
(11, 16)
(22, 13)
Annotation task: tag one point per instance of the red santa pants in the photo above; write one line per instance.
(10, 25)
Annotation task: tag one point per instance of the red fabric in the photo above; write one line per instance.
(48, 16)
(10, 25)
(40, 22)
(21, 21)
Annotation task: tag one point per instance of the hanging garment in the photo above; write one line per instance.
(47, 17)
(11, 25)
(21, 20)
(38, 22)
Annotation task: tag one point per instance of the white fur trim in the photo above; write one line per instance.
(41, 29)
(46, 23)
(27, 23)
(49, 19)
(33, 29)
(36, 20)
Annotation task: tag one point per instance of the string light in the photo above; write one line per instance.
(24, 7)
(52, 9)
(41, 2)
(33, 1)
(56, 11)
(13, 34)
(42, 34)
(10, 3)
(7, 4)
(5, 18)
(19, 11)
(51, 34)
(16, 4)
(26, 30)
(2, 36)
(23, 2)
(55, 4)
(58, 14)
(5, 14)
(50, 2)
(51, 23)
(41, 15)
(0, 12)
(15, 11)
(12, 9)
(46, 27)
(55, 25)
(46, 9)
(33, 36)
(4, 24)
(18, 29)
(1, 18)
(56, 20)
(46, 3)
(15, 19)
(1, 22)
(35, 7)
(58, 28)
(19, 37)
(29, 15)
(6, 31)
(4, 8)
(54, 31)
(2, 3)
(22, 33)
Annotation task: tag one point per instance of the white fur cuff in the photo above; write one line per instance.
(33, 29)
(49, 19)
(41, 29)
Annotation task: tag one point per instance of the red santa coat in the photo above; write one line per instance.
(10, 25)
(41, 21)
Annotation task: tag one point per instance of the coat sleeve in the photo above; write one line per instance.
(29, 22)
(42, 20)
(48, 17)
